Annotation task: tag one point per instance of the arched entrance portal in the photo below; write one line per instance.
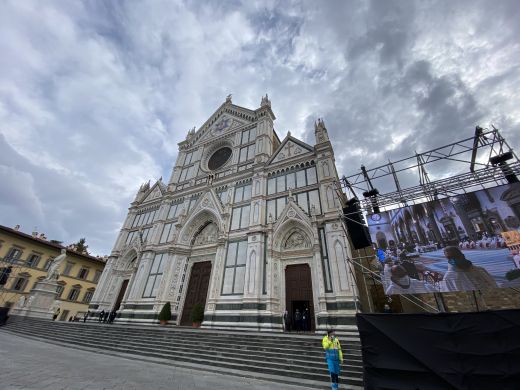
(197, 290)
(196, 294)
(298, 296)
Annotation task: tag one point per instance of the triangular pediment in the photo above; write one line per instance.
(207, 201)
(226, 119)
(227, 124)
(293, 230)
(292, 212)
(290, 148)
(155, 192)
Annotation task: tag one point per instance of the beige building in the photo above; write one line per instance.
(30, 256)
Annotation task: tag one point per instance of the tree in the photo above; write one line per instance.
(166, 312)
(80, 246)
(197, 313)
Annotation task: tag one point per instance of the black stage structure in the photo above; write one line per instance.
(434, 349)
(441, 351)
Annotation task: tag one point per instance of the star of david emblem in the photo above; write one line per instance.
(222, 125)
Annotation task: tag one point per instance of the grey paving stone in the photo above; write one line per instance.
(29, 364)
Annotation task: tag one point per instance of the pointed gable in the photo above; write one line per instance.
(154, 193)
(227, 118)
(224, 125)
(289, 148)
(292, 227)
(292, 211)
(208, 201)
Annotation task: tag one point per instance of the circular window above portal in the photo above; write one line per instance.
(219, 158)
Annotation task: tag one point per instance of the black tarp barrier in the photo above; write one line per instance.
(441, 351)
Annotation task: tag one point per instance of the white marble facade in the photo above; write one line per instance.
(252, 205)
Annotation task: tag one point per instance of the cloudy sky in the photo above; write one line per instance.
(95, 95)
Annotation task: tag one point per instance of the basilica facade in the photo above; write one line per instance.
(248, 226)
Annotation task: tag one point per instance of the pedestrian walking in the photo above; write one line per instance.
(85, 316)
(101, 315)
(105, 316)
(334, 357)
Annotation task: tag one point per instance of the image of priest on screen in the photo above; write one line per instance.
(398, 281)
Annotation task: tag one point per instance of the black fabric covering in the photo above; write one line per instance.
(3, 315)
(441, 351)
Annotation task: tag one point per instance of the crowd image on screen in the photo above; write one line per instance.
(452, 244)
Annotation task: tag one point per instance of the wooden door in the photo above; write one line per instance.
(197, 289)
(121, 295)
(298, 291)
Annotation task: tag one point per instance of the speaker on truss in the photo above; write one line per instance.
(501, 162)
(356, 227)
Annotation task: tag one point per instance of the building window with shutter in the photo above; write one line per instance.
(68, 268)
(83, 273)
(33, 260)
(59, 290)
(13, 255)
(74, 293)
(97, 275)
(47, 265)
(88, 296)
(20, 283)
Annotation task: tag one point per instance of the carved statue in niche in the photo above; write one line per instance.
(208, 235)
(297, 240)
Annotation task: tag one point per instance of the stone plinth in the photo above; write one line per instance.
(40, 301)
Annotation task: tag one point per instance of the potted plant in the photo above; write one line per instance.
(197, 315)
(166, 314)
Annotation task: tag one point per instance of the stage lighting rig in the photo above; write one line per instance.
(501, 162)
(372, 193)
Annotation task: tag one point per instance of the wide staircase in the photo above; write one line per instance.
(285, 358)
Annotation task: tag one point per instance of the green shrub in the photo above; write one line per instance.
(513, 274)
(166, 312)
(197, 313)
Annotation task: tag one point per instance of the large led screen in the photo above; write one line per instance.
(461, 243)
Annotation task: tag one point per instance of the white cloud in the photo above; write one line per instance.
(95, 96)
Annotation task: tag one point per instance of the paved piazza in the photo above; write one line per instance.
(30, 364)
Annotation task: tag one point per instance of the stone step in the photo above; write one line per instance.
(310, 362)
(224, 334)
(237, 364)
(281, 355)
(301, 383)
(314, 345)
(285, 351)
(350, 335)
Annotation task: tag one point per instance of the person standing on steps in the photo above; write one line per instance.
(298, 320)
(305, 318)
(113, 315)
(101, 315)
(333, 355)
(286, 321)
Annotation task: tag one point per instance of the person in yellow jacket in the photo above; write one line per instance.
(333, 355)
